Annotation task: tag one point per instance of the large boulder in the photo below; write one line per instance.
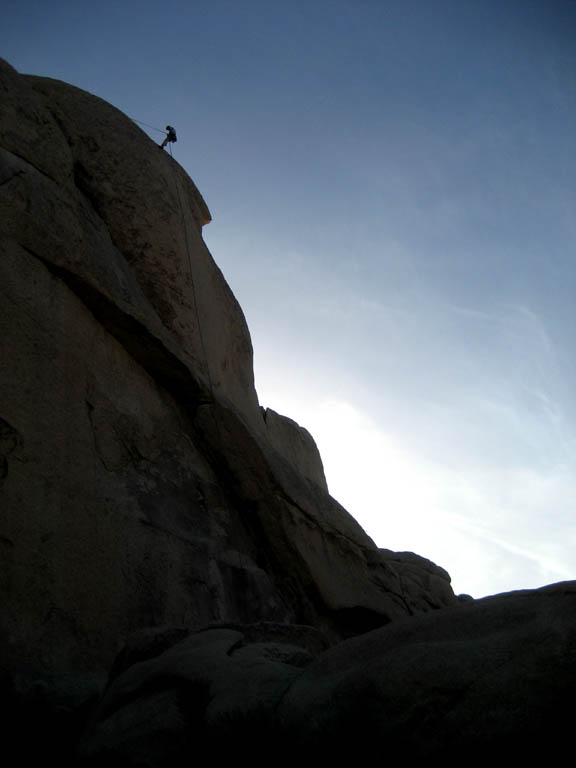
(490, 679)
(296, 444)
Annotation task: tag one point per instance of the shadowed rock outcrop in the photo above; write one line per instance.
(492, 678)
(141, 482)
(296, 444)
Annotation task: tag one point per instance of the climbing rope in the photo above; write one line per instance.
(215, 418)
(195, 297)
(147, 126)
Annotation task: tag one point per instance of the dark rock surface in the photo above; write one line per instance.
(493, 678)
(141, 483)
(296, 444)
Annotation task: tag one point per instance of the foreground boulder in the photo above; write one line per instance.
(492, 678)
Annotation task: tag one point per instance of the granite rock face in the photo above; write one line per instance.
(142, 484)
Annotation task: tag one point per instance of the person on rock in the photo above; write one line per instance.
(170, 136)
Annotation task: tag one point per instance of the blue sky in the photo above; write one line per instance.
(393, 190)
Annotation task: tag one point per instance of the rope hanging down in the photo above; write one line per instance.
(194, 296)
(146, 124)
(213, 411)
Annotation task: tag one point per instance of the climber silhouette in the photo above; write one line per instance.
(170, 136)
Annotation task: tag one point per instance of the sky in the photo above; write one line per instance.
(392, 185)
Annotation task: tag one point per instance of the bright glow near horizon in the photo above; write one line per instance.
(408, 505)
